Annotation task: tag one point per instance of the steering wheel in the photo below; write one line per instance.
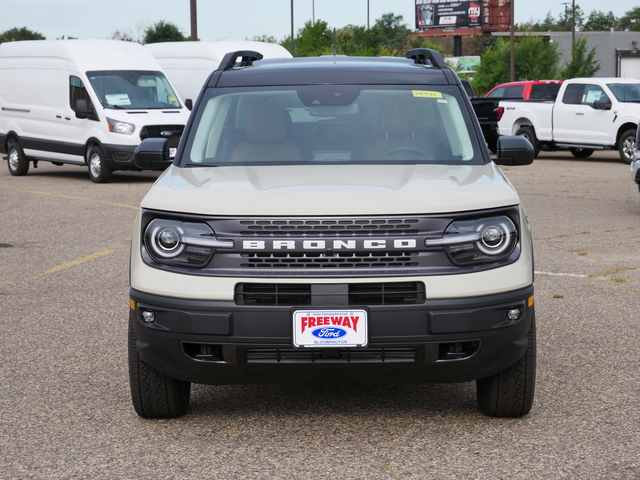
(418, 152)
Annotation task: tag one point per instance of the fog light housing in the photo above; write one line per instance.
(148, 316)
(513, 314)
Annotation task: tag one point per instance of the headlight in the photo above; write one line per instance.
(116, 126)
(478, 241)
(185, 244)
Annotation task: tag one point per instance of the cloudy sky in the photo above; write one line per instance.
(234, 19)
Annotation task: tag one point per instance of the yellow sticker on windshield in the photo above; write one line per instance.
(426, 94)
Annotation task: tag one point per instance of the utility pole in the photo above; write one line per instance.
(512, 54)
(194, 21)
(293, 54)
(573, 28)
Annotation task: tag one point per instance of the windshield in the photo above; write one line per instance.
(626, 92)
(332, 123)
(130, 89)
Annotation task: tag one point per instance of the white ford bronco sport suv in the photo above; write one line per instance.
(332, 220)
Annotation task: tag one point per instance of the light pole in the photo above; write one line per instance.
(512, 54)
(293, 54)
(194, 21)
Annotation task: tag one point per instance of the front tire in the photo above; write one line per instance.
(509, 393)
(627, 146)
(154, 395)
(16, 161)
(98, 171)
(530, 134)
(581, 152)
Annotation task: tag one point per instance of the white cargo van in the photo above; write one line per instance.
(189, 64)
(83, 102)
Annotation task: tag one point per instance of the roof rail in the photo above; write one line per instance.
(426, 56)
(230, 60)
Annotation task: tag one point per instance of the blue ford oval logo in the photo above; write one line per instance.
(166, 133)
(329, 332)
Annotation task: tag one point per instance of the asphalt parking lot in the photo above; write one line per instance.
(64, 394)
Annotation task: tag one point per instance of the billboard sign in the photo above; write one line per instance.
(448, 14)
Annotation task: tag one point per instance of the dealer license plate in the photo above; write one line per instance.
(330, 328)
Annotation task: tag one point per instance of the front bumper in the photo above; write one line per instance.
(440, 340)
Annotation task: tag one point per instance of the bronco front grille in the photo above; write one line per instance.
(333, 260)
(331, 355)
(342, 227)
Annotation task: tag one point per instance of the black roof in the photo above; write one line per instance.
(337, 70)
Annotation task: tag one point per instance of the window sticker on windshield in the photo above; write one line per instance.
(426, 94)
(118, 99)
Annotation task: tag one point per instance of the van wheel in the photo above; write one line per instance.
(154, 394)
(627, 145)
(98, 171)
(16, 161)
(509, 393)
(530, 134)
(581, 152)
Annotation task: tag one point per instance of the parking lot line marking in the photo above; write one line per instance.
(79, 261)
(562, 274)
(70, 197)
(70, 264)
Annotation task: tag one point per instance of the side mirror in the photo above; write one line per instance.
(82, 108)
(604, 105)
(514, 150)
(189, 104)
(152, 154)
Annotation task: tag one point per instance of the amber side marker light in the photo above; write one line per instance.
(132, 304)
(530, 301)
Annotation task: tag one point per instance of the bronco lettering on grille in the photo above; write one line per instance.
(368, 244)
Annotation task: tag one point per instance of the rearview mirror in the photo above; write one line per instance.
(602, 105)
(82, 108)
(514, 150)
(152, 153)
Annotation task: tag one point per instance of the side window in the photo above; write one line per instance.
(77, 91)
(515, 91)
(497, 93)
(592, 94)
(573, 94)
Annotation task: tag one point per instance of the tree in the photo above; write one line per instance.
(600, 22)
(263, 38)
(547, 25)
(631, 20)
(163, 31)
(135, 34)
(566, 19)
(583, 63)
(16, 34)
(535, 57)
(391, 32)
(313, 40)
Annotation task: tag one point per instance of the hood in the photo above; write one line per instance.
(156, 116)
(330, 190)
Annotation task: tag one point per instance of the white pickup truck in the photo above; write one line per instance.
(588, 114)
